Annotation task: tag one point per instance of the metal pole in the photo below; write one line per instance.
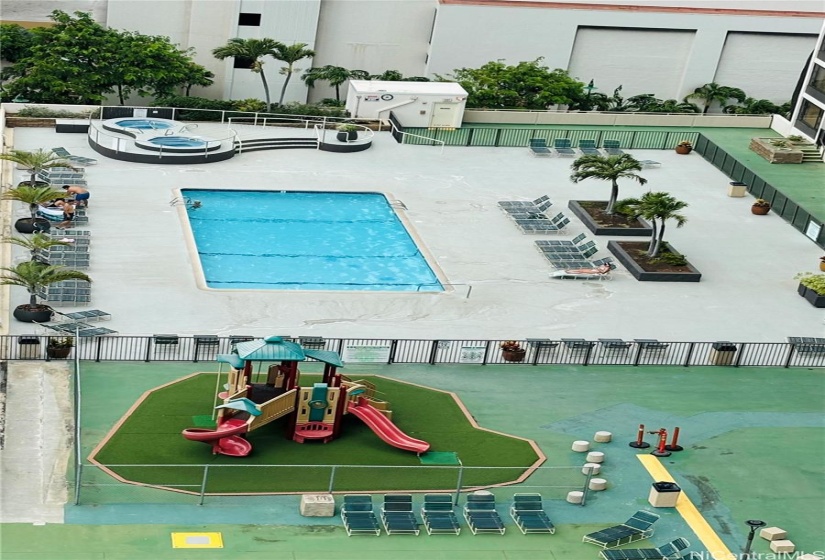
(586, 485)
(331, 480)
(203, 483)
(459, 482)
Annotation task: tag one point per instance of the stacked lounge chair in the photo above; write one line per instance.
(358, 516)
(439, 516)
(638, 527)
(540, 204)
(564, 256)
(481, 515)
(528, 513)
(540, 223)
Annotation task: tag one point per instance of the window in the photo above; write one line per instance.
(249, 19)
(810, 114)
(818, 78)
(241, 62)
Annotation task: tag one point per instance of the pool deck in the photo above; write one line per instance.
(751, 420)
(498, 282)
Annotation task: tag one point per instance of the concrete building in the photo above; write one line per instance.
(667, 48)
(807, 117)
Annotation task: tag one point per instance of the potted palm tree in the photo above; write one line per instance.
(37, 242)
(34, 276)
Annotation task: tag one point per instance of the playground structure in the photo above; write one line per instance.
(315, 413)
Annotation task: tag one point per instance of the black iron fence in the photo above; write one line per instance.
(531, 351)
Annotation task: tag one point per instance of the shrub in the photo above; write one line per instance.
(815, 282)
(46, 113)
(671, 258)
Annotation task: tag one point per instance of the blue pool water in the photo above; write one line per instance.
(305, 241)
(144, 124)
(177, 141)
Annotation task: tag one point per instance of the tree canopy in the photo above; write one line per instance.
(79, 61)
(527, 85)
(607, 168)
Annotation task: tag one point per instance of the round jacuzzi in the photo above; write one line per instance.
(178, 144)
(145, 124)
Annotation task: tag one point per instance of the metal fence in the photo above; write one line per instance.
(537, 351)
(791, 211)
(201, 484)
(494, 136)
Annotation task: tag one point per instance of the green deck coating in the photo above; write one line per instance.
(753, 441)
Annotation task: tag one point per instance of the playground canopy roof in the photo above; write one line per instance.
(276, 349)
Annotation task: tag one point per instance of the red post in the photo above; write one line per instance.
(674, 443)
(640, 442)
(660, 450)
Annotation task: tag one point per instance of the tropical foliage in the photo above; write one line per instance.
(335, 75)
(607, 168)
(253, 51)
(78, 61)
(526, 85)
(33, 196)
(37, 242)
(657, 208)
(290, 54)
(713, 92)
(34, 275)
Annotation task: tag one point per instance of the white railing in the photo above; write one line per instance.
(126, 144)
(394, 128)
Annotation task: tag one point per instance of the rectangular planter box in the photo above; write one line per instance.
(641, 275)
(71, 125)
(813, 298)
(588, 222)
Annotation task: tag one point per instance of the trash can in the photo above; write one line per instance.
(722, 353)
(737, 189)
(664, 494)
(29, 347)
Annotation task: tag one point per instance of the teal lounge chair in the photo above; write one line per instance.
(397, 515)
(358, 516)
(638, 527)
(538, 147)
(481, 515)
(528, 513)
(670, 551)
(439, 516)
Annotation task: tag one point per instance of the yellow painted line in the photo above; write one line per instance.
(197, 540)
(688, 511)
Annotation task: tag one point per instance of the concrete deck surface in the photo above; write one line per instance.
(143, 272)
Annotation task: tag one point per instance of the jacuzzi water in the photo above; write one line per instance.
(177, 141)
(145, 124)
(305, 241)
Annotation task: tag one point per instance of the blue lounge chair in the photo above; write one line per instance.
(638, 527)
(439, 516)
(358, 516)
(397, 515)
(564, 147)
(481, 515)
(515, 206)
(670, 551)
(528, 513)
(612, 147)
(588, 148)
(538, 147)
(64, 153)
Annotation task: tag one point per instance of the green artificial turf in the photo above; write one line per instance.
(151, 435)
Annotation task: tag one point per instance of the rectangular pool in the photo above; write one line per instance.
(299, 240)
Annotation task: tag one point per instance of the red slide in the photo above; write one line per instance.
(386, 430)
(225, 439)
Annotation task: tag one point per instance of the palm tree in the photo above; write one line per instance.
(607, 168)
(35, 162)
(751, 106)
(714, 92)
(657, 208)
(36, 242)
(335, 75)
(290, 54)
(253, 50)
(33, 276)
(34, 196)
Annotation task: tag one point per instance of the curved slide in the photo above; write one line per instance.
(225, 439)
(386, 430)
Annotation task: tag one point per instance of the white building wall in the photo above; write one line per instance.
(515, 33)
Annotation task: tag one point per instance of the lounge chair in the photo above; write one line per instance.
(535, 209)
(596, 272)
(439, 516)
(523, 205)
(90, 315)
(612, 147)
(651, 344)
(670, 551)
(481, 515)
(564, 147)
(538, 147)
(638, 527)
(808, 344)
(528, 513)
(64, 153)
(588, 148)
(358, 516)
(562, 242)
(614, 344)
(397, 515)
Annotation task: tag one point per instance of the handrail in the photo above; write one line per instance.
(398, 130)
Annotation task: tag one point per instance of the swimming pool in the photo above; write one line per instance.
(298, 240)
